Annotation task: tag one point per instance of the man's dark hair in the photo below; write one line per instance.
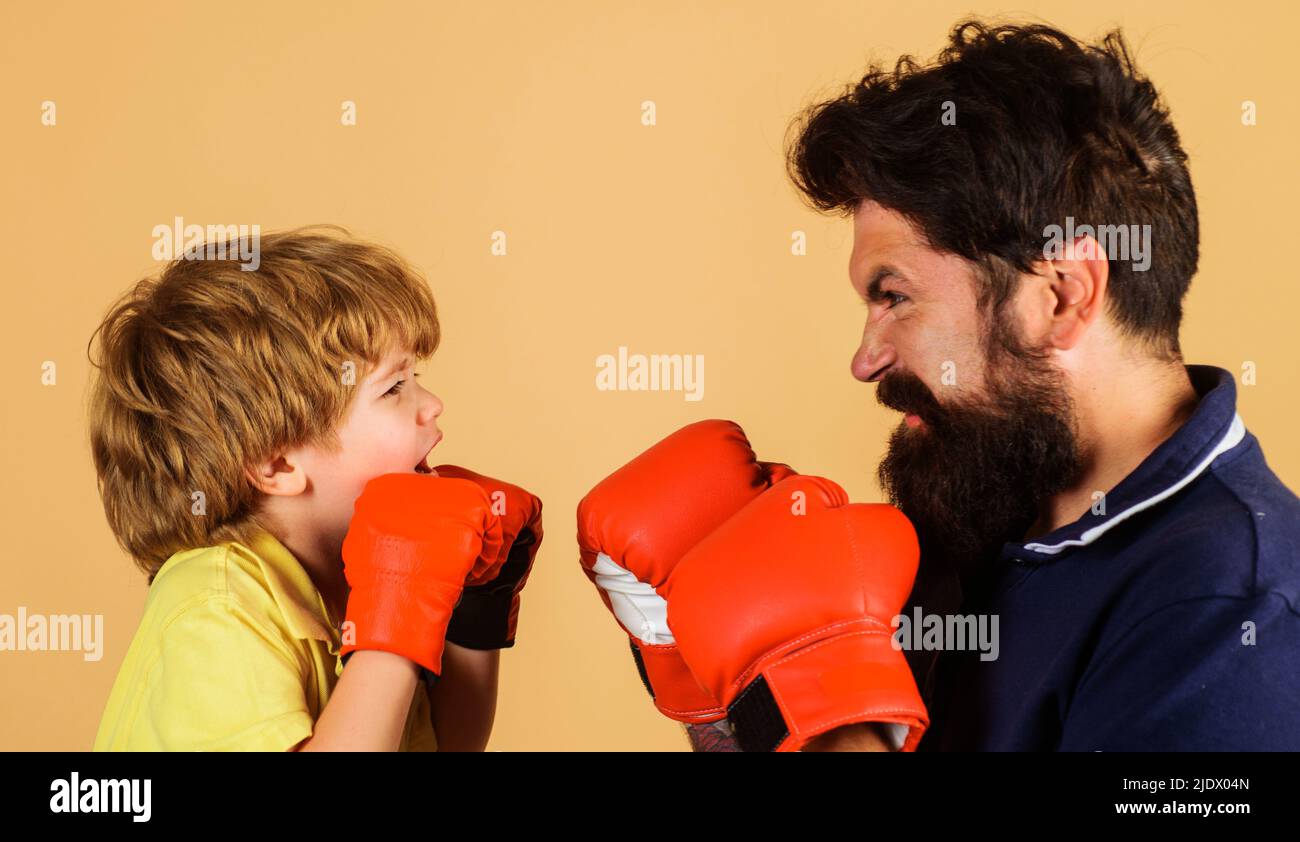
(1045, 128)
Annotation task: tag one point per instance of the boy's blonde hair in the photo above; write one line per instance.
(206, 370)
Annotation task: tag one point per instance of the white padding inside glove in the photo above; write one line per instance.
(896, 734)
(642, 611)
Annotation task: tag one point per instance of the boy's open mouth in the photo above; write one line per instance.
(423, 466)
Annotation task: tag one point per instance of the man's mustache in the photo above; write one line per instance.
(905, 392)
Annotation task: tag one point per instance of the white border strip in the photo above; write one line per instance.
(1236, 432)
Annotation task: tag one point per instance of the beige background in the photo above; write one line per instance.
(675, 238)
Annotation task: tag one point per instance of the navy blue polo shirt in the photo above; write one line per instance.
(1167, 623)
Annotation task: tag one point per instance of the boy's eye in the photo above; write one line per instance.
(397, 387)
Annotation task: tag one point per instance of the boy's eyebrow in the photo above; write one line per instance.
(400, 365)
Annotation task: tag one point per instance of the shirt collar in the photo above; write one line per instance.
(299, 601)
(1214, 428)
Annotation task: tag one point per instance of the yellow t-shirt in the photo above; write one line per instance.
(236, 651)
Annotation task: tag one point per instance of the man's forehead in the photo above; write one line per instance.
(880, 237)
(885, 241)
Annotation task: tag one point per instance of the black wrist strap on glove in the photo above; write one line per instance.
(640, 667)
(756, 719)
(481, 620)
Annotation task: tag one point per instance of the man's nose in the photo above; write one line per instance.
(873, 357)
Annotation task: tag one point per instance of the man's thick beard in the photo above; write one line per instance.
(973, 475)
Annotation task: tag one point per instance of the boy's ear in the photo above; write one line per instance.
(282, 476)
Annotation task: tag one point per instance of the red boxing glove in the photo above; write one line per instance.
(488, 612)
(784, 613)
(635, 525)
(412, 542)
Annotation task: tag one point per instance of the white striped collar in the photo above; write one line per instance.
(1234, 436)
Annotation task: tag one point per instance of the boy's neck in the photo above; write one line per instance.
(321, 555)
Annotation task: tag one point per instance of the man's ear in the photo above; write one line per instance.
(281, 476)
(1075, 291)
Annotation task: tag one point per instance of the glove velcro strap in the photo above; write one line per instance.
(857, 676)
(672, 686)
(756, 719)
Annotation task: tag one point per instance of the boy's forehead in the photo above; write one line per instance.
(392, 362)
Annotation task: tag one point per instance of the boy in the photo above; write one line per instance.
(237, 419)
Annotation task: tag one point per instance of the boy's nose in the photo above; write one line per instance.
(432, 408)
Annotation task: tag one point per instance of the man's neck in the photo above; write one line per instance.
(1122, 420)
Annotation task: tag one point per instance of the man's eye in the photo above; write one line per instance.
(891, 299)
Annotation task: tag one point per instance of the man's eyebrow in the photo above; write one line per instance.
(878, 277)
(400, 365)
